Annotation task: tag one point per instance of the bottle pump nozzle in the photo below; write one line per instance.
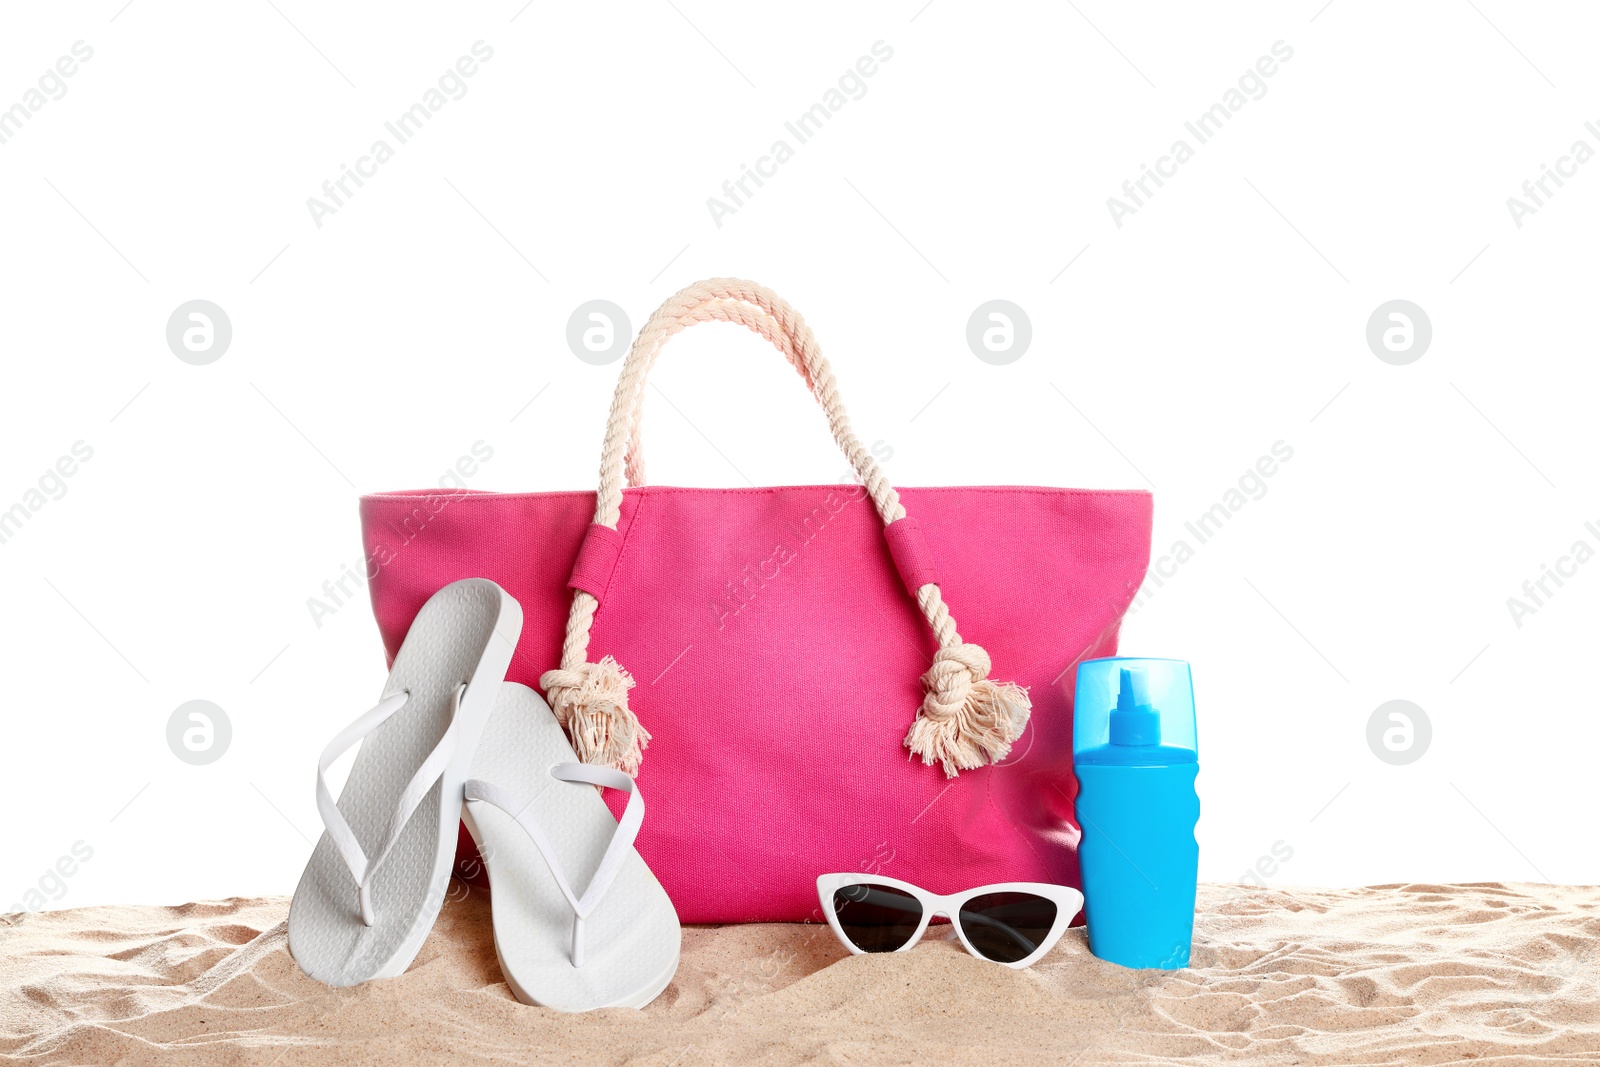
(1134, 722)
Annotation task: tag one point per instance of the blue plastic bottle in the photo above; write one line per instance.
(1135, 756)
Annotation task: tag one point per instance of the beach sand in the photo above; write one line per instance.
(1403, 974)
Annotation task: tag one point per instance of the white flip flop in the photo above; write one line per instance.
(378, 876)
(542, 829)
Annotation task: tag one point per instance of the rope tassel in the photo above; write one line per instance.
(966, 720)
(592, 703)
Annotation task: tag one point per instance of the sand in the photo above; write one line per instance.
(1404, 974)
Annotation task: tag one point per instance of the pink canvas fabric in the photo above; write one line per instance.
(777, 654)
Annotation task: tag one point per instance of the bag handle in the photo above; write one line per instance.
(756, 318)
(965, 721)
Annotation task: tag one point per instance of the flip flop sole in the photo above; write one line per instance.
(632, 938)
(466, 632)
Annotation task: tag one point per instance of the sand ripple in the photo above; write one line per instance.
(1401, 974)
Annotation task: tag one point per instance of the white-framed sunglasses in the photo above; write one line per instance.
(1014, 923)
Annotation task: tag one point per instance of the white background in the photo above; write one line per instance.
(430, 311)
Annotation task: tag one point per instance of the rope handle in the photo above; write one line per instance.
(965, 721)
(763, 312)
(758, 319)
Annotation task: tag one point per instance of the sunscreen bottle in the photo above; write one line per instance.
(1135, 757)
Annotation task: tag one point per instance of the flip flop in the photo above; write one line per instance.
(543, 829)
(378, 876)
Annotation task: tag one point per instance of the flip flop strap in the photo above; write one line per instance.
(616, 851)
(363, 870)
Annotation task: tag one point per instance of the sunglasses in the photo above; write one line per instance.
(1014, 923)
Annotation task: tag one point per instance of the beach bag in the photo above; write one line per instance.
(782, 667)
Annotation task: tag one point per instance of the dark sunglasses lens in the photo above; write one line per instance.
(876, 918)
(1007, 927)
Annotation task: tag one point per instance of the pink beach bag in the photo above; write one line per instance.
(781, 667)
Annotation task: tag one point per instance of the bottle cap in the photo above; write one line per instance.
(1133, 710)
